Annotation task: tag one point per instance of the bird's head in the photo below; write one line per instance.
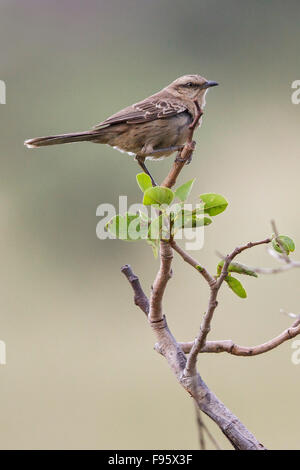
(191, 87)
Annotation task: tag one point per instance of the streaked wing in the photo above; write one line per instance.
(148, 110)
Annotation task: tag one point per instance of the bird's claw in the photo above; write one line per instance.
(187, 161)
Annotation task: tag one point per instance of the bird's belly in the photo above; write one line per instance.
(153, 135)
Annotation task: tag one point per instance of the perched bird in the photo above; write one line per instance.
(153, 128)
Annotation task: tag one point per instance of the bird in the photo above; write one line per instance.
(153, 128)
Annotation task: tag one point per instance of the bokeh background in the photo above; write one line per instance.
(81, 371)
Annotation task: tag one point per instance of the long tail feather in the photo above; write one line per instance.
(61, 139)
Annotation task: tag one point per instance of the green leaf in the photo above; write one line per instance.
(236, 286)
(130, 227)
(193, 222)
(236, 268)
(214, 204)
(188, 219)
(184, 190)
(200, 221)
(286, 242)
(144, 181)
(158, 195)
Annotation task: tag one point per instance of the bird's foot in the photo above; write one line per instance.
(187, 161)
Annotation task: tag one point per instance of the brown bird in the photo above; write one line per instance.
(153, 128)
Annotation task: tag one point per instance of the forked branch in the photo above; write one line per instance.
(239, 436)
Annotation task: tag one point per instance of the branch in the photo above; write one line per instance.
(234, 430)
(200, 426)
(199, 342)
(235, 252)
(160, 283)
(140, 298)
(283, 257)
(249, 351)
(286, 267)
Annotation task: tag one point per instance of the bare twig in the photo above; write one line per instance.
(140, 298)
(200, 426)
(230, 347)
(199, 342)
(235, 252)
(283, 257)
(280, 269)
(203, 428)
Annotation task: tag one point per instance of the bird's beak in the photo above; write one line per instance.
(209, 84)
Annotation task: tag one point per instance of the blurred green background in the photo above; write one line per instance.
(81, 371)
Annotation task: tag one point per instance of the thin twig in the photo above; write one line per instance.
(140, 298)
(205, 428)
(190, 369)
(281, 269)
(235, 252)
(249, 351)
(200, 426)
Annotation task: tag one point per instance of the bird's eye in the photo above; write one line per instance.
(188, 85)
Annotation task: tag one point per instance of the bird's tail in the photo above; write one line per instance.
(62, 139)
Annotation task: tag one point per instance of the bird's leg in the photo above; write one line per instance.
(141, 162)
